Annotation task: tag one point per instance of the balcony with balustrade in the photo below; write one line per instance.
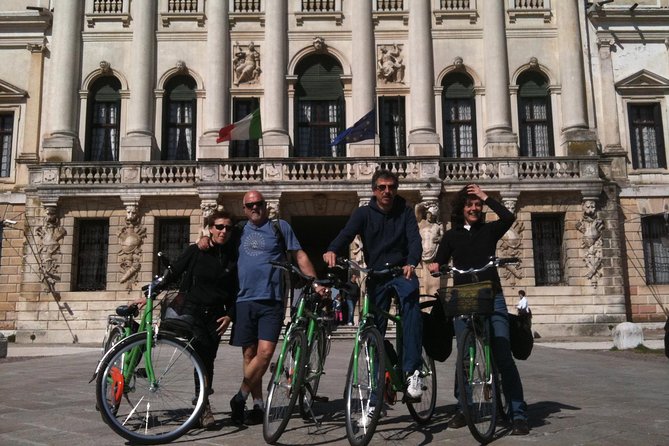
(293, 175)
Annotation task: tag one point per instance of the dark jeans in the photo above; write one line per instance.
(351, 310)
(412, 322)
(206, 340)
(501, 348)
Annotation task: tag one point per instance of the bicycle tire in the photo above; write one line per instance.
(367, 393)
(166, 408)
(113, 337)
(477, 388)
(285, 385)
(422, 411)
(313, 372)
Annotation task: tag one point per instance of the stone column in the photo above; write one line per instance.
(274, 113)
(423, 139)
(139, 142)
(217, 81)
(363, 70)
(29, 151)
(610, 130)
(63, 140)
(579, 140)
(500, 140)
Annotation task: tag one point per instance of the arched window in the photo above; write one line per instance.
(459, 116)
(179, 119)
(102, 120)
(319, 108)
(534, 115)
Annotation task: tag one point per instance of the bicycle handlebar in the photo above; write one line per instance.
(348, 263)
(493, 262)
(287, 266)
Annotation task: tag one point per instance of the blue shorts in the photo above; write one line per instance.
(255, 320)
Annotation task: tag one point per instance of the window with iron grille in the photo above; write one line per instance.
(179, 119)
(535, 118)
(242, 107)
(92, 248)
(6, 137)
(319, 107)
(547, 235)
(647, 137)
(103, 112)
(392, 126)
(173, 236)
(655, 235)
(459, 116)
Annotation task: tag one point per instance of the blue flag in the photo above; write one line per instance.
(365, 128)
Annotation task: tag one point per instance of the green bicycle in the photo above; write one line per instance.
(478, 385)
(150, 386)
(300, 365)
(375, 373)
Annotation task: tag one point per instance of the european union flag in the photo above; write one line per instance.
(365, 128)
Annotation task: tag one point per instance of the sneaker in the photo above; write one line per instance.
(415, 385)
(255, 416)
(207, 420)
(237, 407)
(520, 427)
(350, 324)
(457, 421)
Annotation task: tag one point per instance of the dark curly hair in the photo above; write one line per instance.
(458, 206)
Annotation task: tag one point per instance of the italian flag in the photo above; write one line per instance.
(246, 128)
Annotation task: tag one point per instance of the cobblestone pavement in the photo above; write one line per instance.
(575, 397)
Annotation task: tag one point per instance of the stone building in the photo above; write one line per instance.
(110, 110)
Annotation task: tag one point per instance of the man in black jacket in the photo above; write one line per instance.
(390, 236)
(470, 243)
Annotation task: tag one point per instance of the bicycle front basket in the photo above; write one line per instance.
(468, 299)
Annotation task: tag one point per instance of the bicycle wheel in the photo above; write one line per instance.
(422, 412)
(145, 410)
(365, 382)
(285, 385)
(313, 371)
(477, 386)
(113, 337)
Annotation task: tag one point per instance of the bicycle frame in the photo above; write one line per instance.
(480, 324)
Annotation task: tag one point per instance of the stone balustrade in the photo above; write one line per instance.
(550, 172)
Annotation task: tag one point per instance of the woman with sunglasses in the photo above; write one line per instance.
(209, 280)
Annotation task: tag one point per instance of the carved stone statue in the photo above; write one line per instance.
(431, 233)
(131, 238)
(50, 236)
(511, 246)
(246, 65)
(390, 64)
(591, 226)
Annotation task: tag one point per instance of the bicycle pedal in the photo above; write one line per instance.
(408, 399)
(320, 399)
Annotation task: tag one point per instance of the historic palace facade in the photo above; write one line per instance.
(110, 110)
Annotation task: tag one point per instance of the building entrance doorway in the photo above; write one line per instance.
(315, 234)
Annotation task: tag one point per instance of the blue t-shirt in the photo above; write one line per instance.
(258, 280)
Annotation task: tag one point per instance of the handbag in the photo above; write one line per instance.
(520, 331)
(437, 333)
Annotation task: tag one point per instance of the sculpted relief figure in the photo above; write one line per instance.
(50, 236)
(390, 64)
(591, 226)
(246, 65)
(431, 233)
(511, 246)
(131, 238)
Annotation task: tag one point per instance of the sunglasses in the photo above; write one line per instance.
(253, 204)
(222, 227)
(382, 187)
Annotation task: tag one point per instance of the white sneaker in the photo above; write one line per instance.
(367, 415)
(415, 385)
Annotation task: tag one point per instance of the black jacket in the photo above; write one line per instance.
(473, 248)
(213, 276)
(387, 238)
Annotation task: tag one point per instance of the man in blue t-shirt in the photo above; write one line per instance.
(260, 302)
